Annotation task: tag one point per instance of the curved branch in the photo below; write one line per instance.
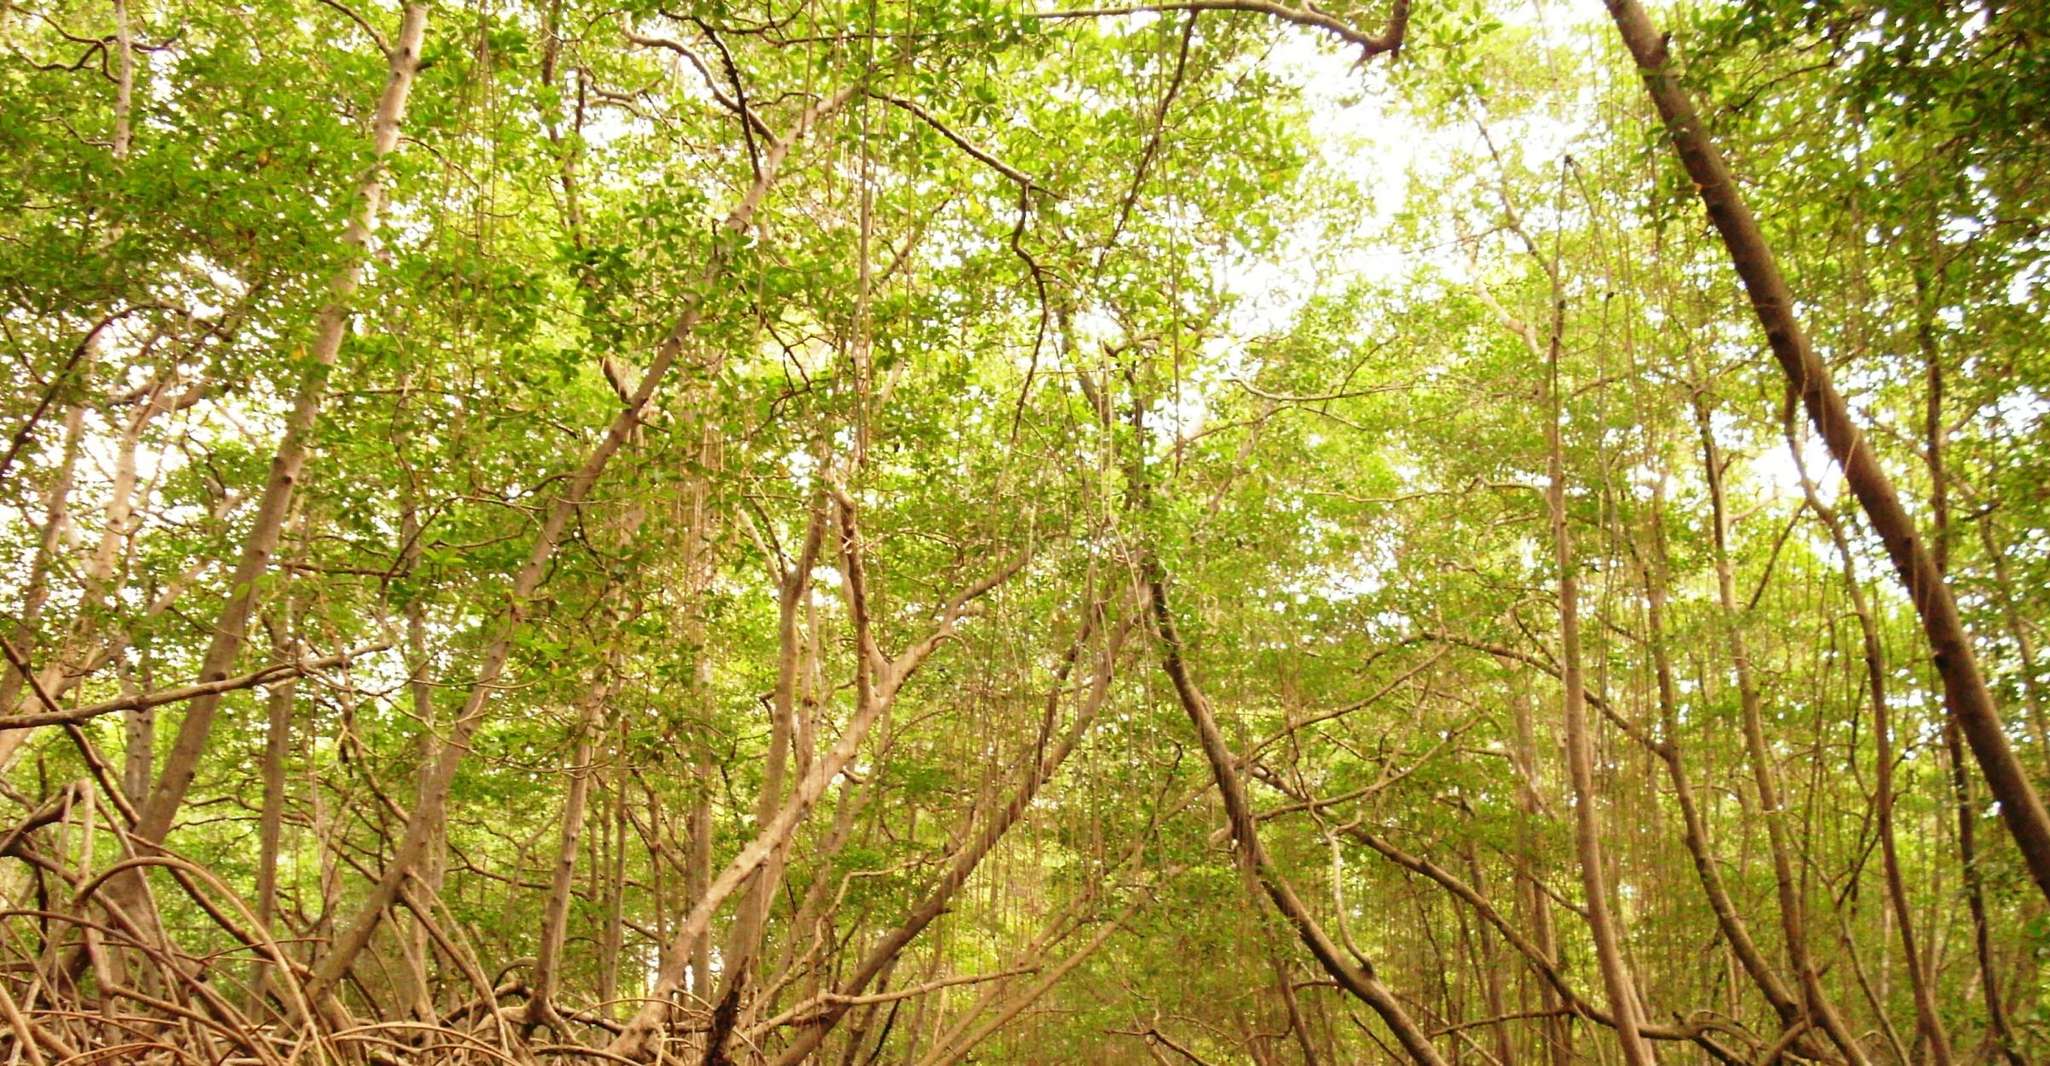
(1389, 40)
(963, 143)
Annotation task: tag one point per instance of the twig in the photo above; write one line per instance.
(143, 701)
(1388, 40)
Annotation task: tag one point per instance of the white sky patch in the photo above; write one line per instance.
(1777, 471)
(1358, 137)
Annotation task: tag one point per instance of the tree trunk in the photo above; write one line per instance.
(427, 815)
(1604, 926)
(1556, 1032)
(277, 739)
(1358, 980)
(555, 910)
(1966, 697)
(964, 862)
(1793, 909)
(1928, 1022)
(878, 679)
(182, 763)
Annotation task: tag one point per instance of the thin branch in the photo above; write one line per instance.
(827, 999)
(754, 154)
(963, 143)
(1388, 40)
(142, 701)
(752, 121)
(361, 23)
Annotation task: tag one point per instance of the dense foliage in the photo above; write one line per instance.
(967, 531)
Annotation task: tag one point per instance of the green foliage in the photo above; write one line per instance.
(1175, 342)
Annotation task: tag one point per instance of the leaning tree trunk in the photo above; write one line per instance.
(1966, 696)
(963, 864)
(156, 814)
(426, 817)
(877, 680)
(1358, 980)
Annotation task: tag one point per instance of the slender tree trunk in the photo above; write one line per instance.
(541, 1009)
(139, 726)
(182, 763)
(1694, 828)
(1555, 1031)
(961, 1038)
(36, 592)
(613, 945)
(277, 739)
(2018, 631)
(1490, 963)
(420, 690)
(2001, 1033)
(1928, 1021)
(878, 679)
(129, 891)
(1793, 909)
(56, 514)
(745, 940)
(697, 950)
(427, 816)
(965, 861)
(1601, 922)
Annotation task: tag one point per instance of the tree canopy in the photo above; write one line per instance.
(980, 531)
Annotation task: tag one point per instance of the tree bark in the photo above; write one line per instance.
(1966, 697)
(1556, 1032)
(1694, 829)
(1358, 980)
(427, 815)
(1928, 1021)
(1601, 922)
(745, 939)
(547, 972)
(978, 848)
(878, 679)
(182, 762)
(1793, 909)
(277, 739)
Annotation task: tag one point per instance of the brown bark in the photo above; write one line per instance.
(1601, 922)
(2000, 1032)
(1966, 697)
(877, 680)
(547, 971)
(952, 1051)
(420, 690)
(1694, 828)
(1488, 959)
(2017, 630)
(277, 740)
(1818, 1007)
(1928, 1022)
(698, 879)
(182, 762)
(1543, 961)
(1357, 979)
(1556, 1032)
(751, 923)
(36, 593)
(56, 515)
